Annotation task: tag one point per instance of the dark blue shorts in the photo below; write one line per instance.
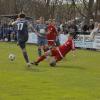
(22, 44)
(42, 41)
(22, 39)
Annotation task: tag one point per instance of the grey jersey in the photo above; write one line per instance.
(41, 29)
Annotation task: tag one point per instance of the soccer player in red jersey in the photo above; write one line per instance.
(58, 53)
(52, 33)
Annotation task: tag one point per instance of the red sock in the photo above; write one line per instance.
(40, 59)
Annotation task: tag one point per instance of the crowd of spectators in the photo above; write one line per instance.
(8, 32)
(73, 26)
(91, 29)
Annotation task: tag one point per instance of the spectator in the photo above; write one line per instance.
(84, 26)
(91, 25)
(72, 28)
(95, 31)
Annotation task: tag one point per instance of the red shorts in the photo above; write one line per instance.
(55, 53)
(51, 43)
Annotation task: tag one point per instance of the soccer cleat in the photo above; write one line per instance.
(34, 63)
(28, 64)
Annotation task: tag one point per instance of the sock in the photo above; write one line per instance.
(41, 59)
(26, 57)
(39, 52)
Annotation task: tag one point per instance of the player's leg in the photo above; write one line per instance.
(39, 46)
(39, 51)
(45, 48)
(45, 45)
(41, 58)
(23, 48)
(54, 55)
(52, 60)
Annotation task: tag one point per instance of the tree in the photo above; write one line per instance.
(90, 10)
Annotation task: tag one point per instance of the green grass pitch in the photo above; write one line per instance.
(74, 78)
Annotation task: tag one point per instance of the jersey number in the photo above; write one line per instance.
(20, 26)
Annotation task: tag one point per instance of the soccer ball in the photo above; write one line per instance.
(11, 57)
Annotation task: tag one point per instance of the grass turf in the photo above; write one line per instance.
(74, 78)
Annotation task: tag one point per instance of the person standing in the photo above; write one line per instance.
(41, 31)
(51, 34)
(22, 34)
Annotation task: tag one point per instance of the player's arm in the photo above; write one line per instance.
(49, 31)
(30, 26)
(57, 31)
(36, 30)
(14, 23)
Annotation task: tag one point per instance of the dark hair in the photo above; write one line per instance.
(74, 35)
(21, 15)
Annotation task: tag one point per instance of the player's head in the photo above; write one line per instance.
(21, 15)
(50, 21)
(41, 19)
(72, 35)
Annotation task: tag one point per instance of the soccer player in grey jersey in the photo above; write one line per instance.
(41, 30)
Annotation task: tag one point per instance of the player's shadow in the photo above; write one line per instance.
(35, 69)
(71, 67)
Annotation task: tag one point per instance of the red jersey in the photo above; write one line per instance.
(51, 36)
(62, 50)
